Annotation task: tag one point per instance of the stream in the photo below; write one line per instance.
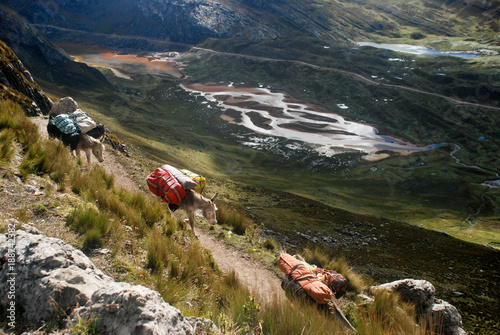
(488, 183)
(276, 114)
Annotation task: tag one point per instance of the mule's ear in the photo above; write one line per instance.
(215, 196)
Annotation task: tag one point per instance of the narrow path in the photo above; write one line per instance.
(263, 283)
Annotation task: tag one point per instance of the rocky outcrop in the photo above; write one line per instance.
(193, 21)
(50, 276)
(40, 57)
(421, 293)
(17, 84)
(125, 309)
(446, 315)
(180, 21)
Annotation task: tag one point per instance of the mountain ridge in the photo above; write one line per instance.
(337, 22)
(17, 84)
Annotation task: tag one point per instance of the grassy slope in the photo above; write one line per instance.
(392, 19)
(85, 208)
(161, 123)
(156, 111)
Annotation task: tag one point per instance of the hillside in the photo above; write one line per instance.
(66, 194)
(297, 198)
(18, 85)
(45, 61)
(35, 192)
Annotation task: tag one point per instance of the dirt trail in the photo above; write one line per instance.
(263, 283)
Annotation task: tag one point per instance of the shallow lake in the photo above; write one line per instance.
(419, 50)
(276, 114)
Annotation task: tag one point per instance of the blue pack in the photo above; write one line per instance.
(65, 123)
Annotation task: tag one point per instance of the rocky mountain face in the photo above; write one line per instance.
(17, 84)
(192, 21)
(186, 21)
(40, 57)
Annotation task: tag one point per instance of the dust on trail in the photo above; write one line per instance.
(262, 282)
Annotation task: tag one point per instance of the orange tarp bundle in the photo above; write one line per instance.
(307, 280)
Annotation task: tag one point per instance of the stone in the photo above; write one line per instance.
(421, 293)
(53, 277)
(65, 106)
(30, 229)
(122, 308)
(203, 326)
(445, 314)
(49, 273)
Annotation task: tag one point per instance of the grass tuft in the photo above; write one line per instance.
(232, 218)
(271, 244)
(94, 225)
(85, 327)
(387, 314)
(157, 255)
(7, 149)
(316, 256)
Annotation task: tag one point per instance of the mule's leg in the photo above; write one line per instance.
(88, 153)
(191, 220)
(170, 211)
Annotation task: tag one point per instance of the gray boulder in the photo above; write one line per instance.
(447, 316)
(421, 293)
(64, 106)
(125, 309)
(51, 276)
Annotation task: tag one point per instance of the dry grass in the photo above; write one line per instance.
(234, 219)
(357, 283)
